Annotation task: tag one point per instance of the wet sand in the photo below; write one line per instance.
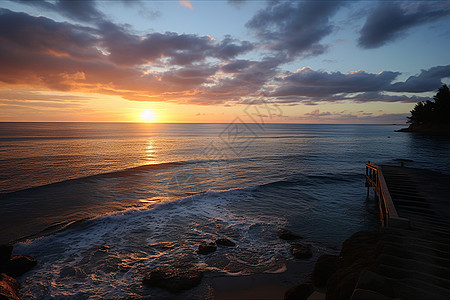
(261, 286)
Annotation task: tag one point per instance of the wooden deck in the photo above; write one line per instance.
(413, 257)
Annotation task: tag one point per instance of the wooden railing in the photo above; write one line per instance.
(375, 180)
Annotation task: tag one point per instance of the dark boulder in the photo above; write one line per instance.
(205, 248)
(299, 292)
(225, 242)
(375, 282)
(288, 235)
(360, 294)
(19, 264)
(9, 288)
(325, 266)
(301, 251)
(173, 279)
(5, 253)
(358, 253)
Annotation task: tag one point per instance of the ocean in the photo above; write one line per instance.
(99, 204)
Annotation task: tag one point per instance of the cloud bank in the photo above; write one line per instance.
(295, 27)
(392, 20)
(103, 57)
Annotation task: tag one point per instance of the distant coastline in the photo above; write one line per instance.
(436, 128)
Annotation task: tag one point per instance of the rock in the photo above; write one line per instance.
(288, 235)
(19, 264)
(225, 242)
(299, 292)
(301, 251)
(358, 253)
(325, 266)
(9, 287)
(173, 279)
(316, 295)
(360, 294)
(341, 285)
(5, 253)
(205, 248)
(375, 282)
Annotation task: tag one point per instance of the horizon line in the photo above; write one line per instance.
(129, 122)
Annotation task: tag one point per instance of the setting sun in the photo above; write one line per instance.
(148, 115)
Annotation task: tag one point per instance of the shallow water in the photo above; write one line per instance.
(97, 218)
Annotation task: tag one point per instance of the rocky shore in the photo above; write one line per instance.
(178, 278)
(12, 266)
(387, 264)
(353, 274)
(336, 276)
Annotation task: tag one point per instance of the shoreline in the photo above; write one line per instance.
(429, 129)
(263, 285)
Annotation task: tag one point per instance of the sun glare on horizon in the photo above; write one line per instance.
(148, 116)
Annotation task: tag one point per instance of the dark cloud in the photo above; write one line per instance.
(40, 52)
(295, 27)
(391, 20)
(345, 116)
(229, 48)
(79, 10)
(426, 81)
(310, 83)
(189, 77)
(248, 79)
(310, 87)
(237, 66)
(21, 31)
(179, 49)
(379, 97)
(109, 59)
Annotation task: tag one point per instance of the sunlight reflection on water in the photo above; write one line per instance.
(151, 152)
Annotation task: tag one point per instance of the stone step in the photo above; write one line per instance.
(419, 248)
(413, 289)
(436, 229)
(399, 197)
(420, 211)
(400, 251)
(428, 219)
(401, 273)
(407, 202)
(415, 239)
(424, 267)
(360, 294)
(418, 233)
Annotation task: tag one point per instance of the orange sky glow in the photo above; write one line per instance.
(98, 61)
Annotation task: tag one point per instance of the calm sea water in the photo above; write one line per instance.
(153, 192)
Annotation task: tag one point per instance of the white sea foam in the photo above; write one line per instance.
(117, 248)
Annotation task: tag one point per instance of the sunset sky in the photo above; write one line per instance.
(210, 61)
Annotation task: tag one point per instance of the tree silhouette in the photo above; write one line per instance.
(429, 112)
